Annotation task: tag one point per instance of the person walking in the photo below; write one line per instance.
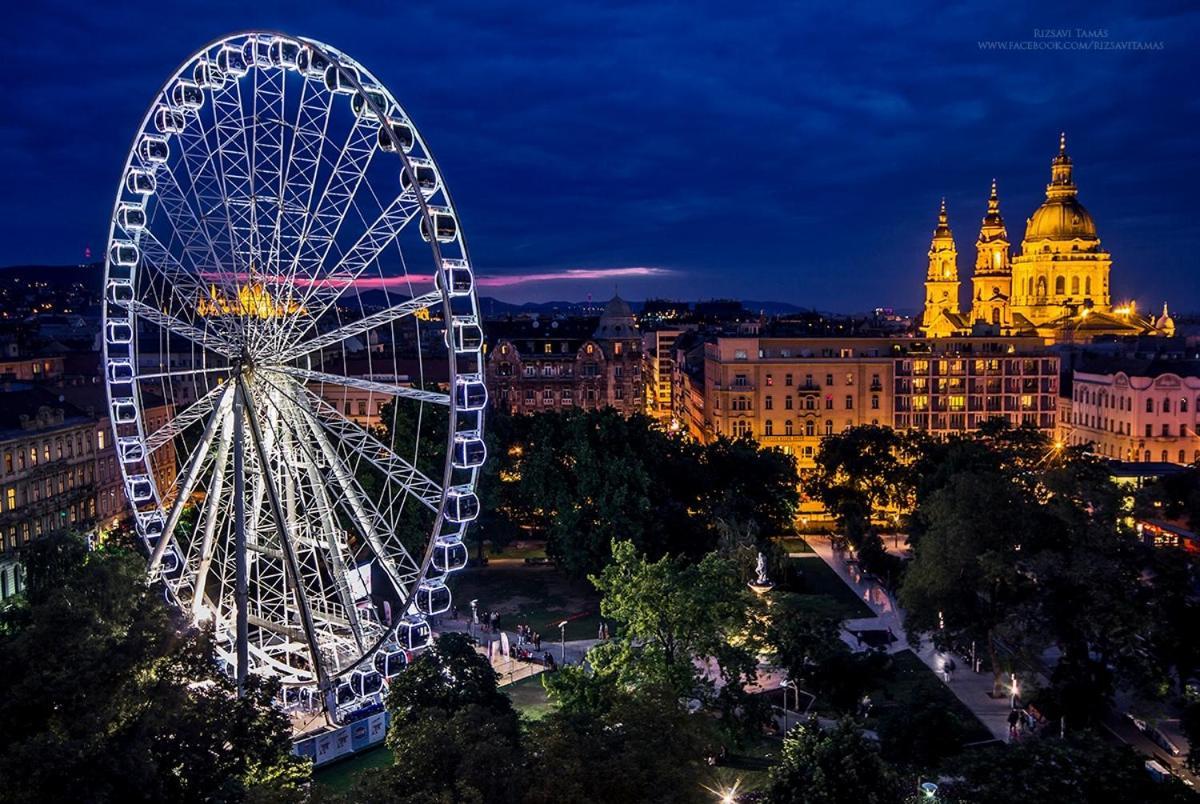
(1014, 718)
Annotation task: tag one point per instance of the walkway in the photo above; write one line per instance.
(512, 670)
(973, 689)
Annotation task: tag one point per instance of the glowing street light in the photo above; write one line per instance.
(562, 630)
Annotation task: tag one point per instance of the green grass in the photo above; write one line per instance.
(794, 544)
(912, 680)
(340, 776)
(819, 580)
(539, 596)
(529, 698)
(521, 548)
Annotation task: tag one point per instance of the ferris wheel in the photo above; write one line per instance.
(287, 277)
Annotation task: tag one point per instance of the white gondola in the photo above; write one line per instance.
(469, 450)
(120, 370)
(341, 78)
(154, 149)
(124, 410)
(232, 62)
(120, 291)
(187, 95)
(344, 693)
(123, 253)
(131, 217)
(468, 335)
(130, 449)
(119, 332)
(449, 554)
(470, 393)
(169, 120)
(433, 597)
(257, 52)
(285, 53)
(391, 661)
(150, 524)
(171, 565)
(208, 76)
(401, 131)
(140, 488)
(363, 109)
(312, 63)
(445, 227)
(426, 174)
(461, 504)
(140, 181)
(414, 633)
(366, 682)
(456, 275)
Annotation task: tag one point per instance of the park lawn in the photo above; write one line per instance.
(540, 596)
(819, 580)
(521, 548)
(912, 679)
(794, 544)
(339, 777)
(529, 697)
(748, 767)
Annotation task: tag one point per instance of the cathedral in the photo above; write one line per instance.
(1056, 287)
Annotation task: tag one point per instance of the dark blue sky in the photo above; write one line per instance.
(784, 151)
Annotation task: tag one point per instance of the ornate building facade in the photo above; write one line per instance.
(1056, 288)
(537, 365)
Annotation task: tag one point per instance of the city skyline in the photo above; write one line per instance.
(796, 156)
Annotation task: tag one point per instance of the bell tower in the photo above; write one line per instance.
(992, 280)
(941, 278)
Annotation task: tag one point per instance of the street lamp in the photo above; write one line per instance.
(474, 617)
(562, 630)
(785, 683)
(1016, 690)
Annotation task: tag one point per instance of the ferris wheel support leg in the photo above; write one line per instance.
(212, 510)
(241, 590)
(293, 565)
(189, 482)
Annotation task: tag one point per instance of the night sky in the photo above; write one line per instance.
(791, 152)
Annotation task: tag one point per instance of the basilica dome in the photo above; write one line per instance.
(1061, 219)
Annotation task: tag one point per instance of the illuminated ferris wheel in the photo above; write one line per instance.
(286, 272)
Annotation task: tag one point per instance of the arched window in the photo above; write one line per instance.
(829, 427)
(810, 427)
(1041, 286)
(1149, 405)
(1166, 404)
(1087, 286)
(1074, 286)
(810, 403)
(787, 427)
(768, 427)
(1183, 405)
(996, 316)
(1060, 286)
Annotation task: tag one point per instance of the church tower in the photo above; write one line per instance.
(992, 280)
(941, 282)
(1061, 268)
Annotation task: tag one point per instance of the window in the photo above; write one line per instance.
(828, 403)
(874, 401)
(769, 427)
(829, 379)
(1182, 409)
(1166, 430)
(849, 402)
(769, 403)
(362, 407)
(1166, 404)
(874, 380)
(808, 381)
(10, 499)
(620, 393)
(1149, 405)
(810, 427)
(529, 396)
(787, 379)
(8, 463)
(99, 439)
(787, 403)
(33, 456)
(616, 348)
(787, 427)
(829, 427)
(1149, 432)
(770, 380)
(548, 396)
(547, 347)
(810, 403)
(618, 372)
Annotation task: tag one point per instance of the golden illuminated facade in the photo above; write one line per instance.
(1056, 288)
(991, 283)
(1061, 268)
(251, 301)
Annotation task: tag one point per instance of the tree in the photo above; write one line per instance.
(744, 482)
(454, 734)
(1084, 768)
(107, 697)
(831, 767)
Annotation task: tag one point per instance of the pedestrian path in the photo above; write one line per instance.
(973, 689)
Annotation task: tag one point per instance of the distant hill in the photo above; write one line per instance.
(90, 274)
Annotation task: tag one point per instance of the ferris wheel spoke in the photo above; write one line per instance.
(185, 285)
(397, 311)
(180, 373)
(183, 420)
(185, 221)
(207, 189)
(206, 339)
(387, 389)
(234, 164)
